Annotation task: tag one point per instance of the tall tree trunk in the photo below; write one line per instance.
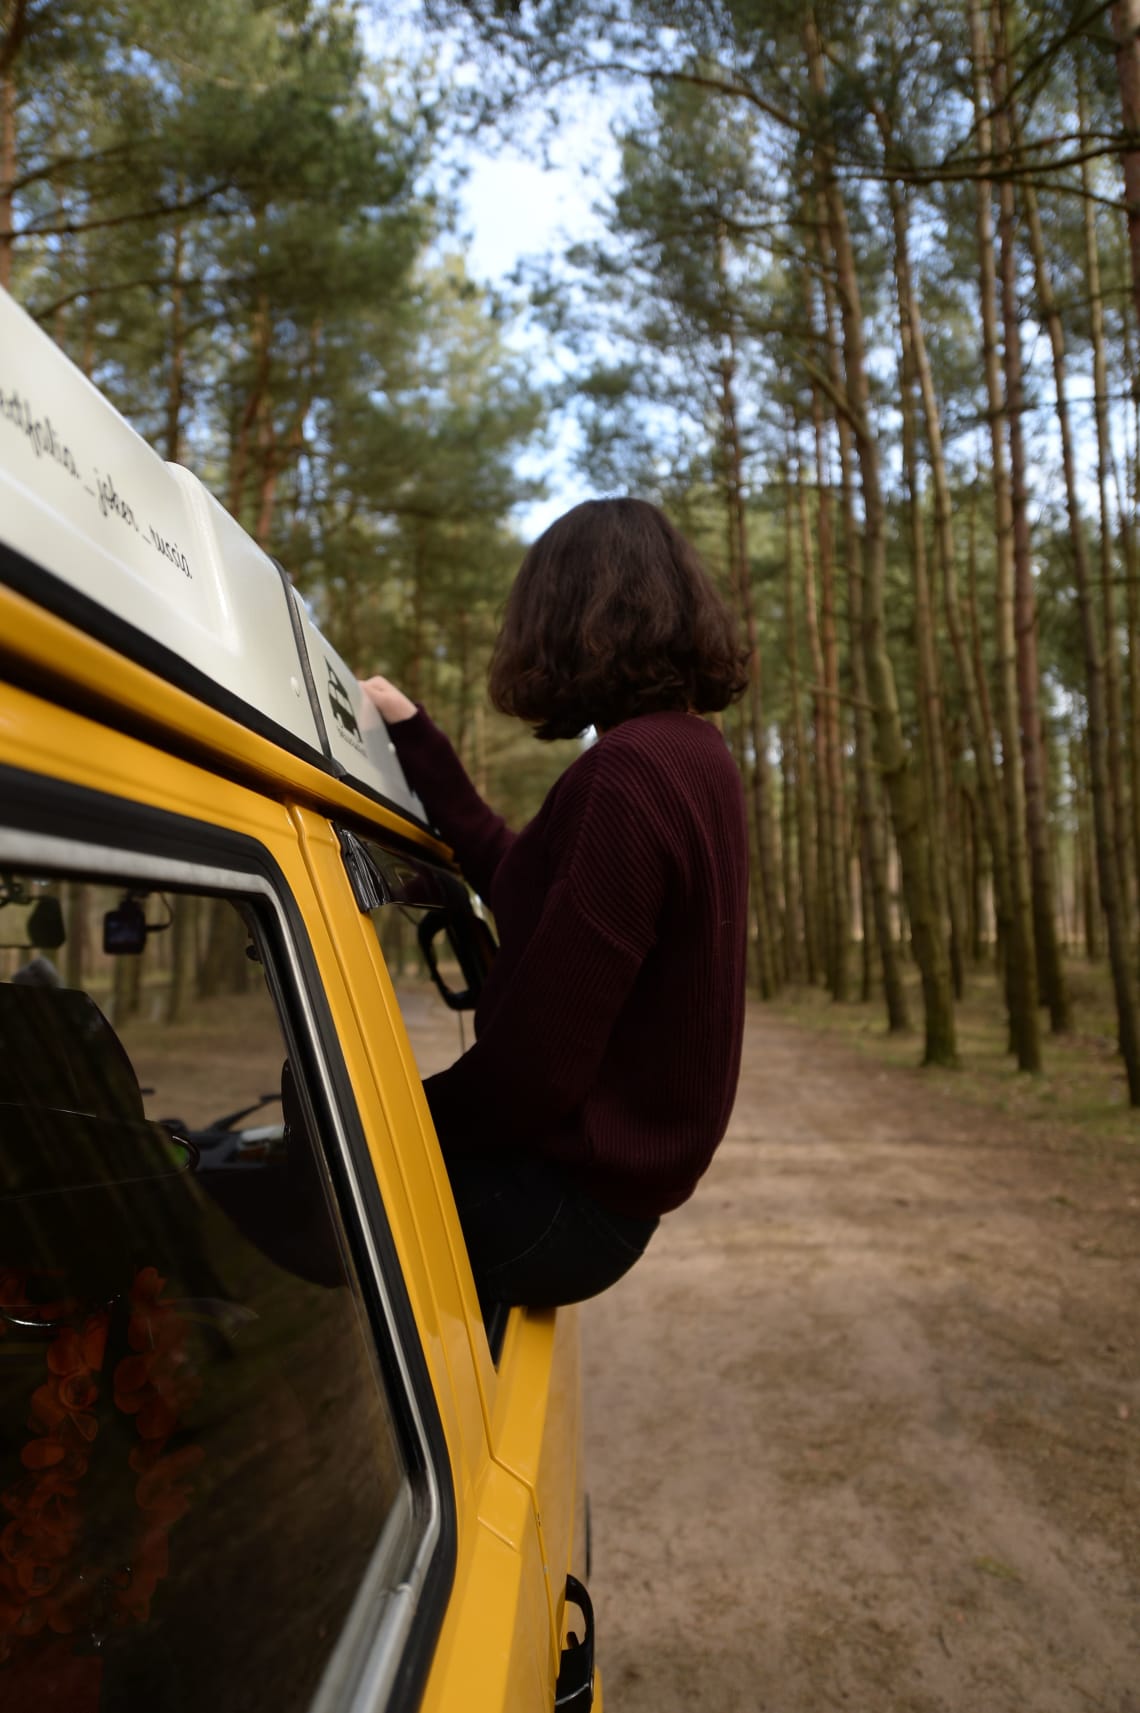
(866, 916)
(975, 889)
(929, 687)
(126, 988)
(1020, 959)
(927, 933)
(184, 959)
(971, 681)
(78, 944)
(832, 707)
(1126, 29)
(224, 967)
(1085, 841)
(251, 411)
(801, 808)
(758, 936)
(1113, 693)
(1049, 967)
(828, 704)
(823, 899)
(872, 844)
(15, 19)
(772, 955)
(176, 363)
(1118, 947)
(414, 671)
(789, 794)
(1124, 510)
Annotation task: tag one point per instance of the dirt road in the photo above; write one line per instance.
(863, 1427)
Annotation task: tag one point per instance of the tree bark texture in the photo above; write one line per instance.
(15, 24)
(871, 841)
(1126, 29)
(1020, 959)
(1119, 952)
(929, 688)
(1051, 985)
(824, 897)
(833, 707)
(927, 932)
(971, 681)
(1112, 675)
(799, 812)
(772, 955)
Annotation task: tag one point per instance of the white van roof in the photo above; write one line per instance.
(95, 526)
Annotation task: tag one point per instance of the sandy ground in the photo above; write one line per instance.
(863, 1427)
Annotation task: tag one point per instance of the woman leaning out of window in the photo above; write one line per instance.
(608, 1034)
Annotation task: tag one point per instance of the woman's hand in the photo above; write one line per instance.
(392, 704)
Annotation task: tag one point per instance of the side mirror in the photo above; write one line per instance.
(434, 924)
(474, 948)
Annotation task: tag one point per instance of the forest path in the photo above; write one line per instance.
(863, 1426)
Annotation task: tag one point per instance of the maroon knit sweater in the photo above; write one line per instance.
(608, 1033)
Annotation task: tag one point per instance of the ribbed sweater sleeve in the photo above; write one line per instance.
(479, 837)
(540, 1048)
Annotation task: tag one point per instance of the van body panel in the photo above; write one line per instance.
(388, 1086)
(535, 1430)
(495, 1654)
(83, 671)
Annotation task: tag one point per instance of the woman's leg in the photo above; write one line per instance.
(533, 1237)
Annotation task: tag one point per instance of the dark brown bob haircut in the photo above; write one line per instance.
(611, 615)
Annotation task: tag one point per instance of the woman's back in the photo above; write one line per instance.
(610, 1026)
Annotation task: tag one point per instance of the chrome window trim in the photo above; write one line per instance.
(376, 1674)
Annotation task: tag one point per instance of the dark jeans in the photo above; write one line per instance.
(533, 1236)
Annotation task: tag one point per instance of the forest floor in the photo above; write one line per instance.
(863, 1426)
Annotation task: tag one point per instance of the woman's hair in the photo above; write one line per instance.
(612, 614)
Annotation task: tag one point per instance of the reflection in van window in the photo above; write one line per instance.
(196, 1455)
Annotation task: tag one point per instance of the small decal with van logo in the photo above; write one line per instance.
(341, 705)
(40, 435)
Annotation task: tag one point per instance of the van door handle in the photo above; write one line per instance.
(574, 1691)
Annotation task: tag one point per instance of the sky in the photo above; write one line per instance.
(522, 202)
(512, 209)
(516, 206)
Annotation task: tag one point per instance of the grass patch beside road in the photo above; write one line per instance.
(1080, 1091)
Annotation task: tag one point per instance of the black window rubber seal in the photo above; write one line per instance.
(36, 803)
(60, 598)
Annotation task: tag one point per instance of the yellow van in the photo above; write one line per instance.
(258, 1449)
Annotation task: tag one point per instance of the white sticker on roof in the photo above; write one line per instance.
(84, 497)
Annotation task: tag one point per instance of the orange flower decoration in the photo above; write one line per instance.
(40, 1586)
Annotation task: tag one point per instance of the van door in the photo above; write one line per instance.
(224, 1469)
(527, 1367)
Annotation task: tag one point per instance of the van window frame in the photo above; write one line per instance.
(53, 826)
(378, 875)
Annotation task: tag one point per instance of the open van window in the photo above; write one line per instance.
(452, 933)
(454, 939)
